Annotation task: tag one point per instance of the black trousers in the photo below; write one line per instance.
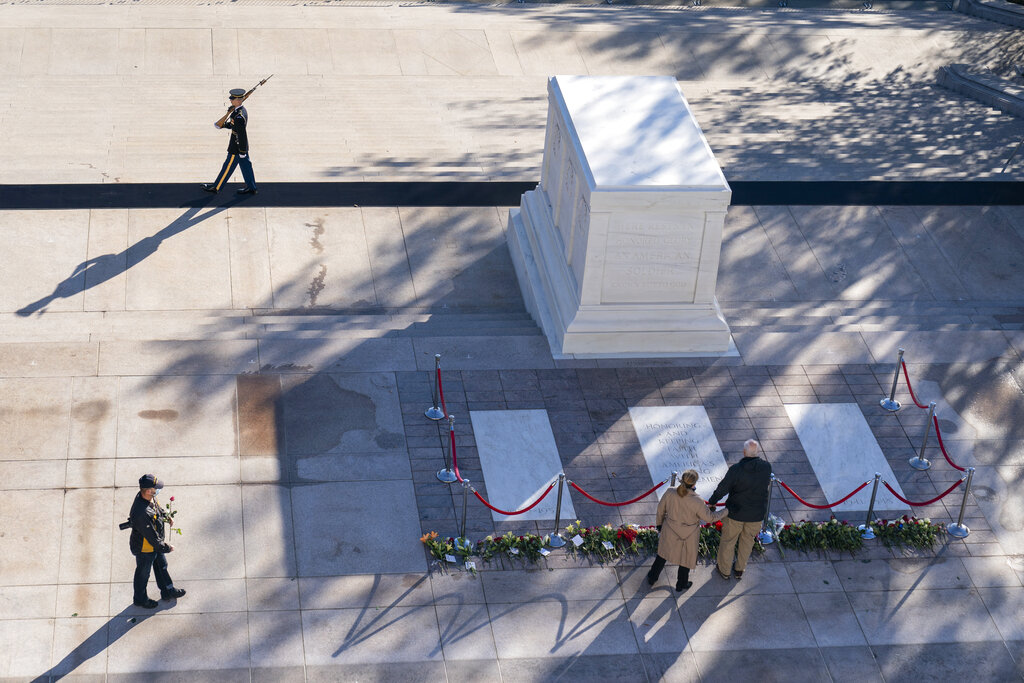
(682, 576)
(157, 563)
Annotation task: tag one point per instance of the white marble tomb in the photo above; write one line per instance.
(519, 458)
(617, 249)
(678, 438)
(843, 453)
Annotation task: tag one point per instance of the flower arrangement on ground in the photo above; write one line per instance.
(912, 532)
(606, 543)
(806, 536)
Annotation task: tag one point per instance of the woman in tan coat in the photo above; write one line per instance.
(680, 513)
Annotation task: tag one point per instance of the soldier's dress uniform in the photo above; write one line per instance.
(238, 151)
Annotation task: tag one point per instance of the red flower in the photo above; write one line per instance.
(718, 524)
(172, 499)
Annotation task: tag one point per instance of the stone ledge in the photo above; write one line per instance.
(999, 11)
(991, 90)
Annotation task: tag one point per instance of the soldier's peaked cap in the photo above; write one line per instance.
(236, 92)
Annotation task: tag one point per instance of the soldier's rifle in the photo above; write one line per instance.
(231, 109)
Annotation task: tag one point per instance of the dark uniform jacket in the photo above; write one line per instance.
(746, 484)
(239, 143)
(147, 518)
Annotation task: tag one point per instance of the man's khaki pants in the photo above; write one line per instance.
(731, 531)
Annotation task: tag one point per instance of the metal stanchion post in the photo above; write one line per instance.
(891, 404)
(919, 462)
(556, 540)
(865, 529)
(675, 476)
(767, 535)
(433, 412)
(447, 475)
(960, 530)
(465, 499)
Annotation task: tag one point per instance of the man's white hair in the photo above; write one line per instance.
(750, 448)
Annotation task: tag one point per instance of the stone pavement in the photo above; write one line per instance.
(272, 365)
(428, 90)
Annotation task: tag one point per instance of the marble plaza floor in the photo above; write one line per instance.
(273, 365)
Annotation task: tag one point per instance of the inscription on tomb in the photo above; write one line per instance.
(652, 262)
(551, 170)
(678, 438)
(566, 204)
(581, 226)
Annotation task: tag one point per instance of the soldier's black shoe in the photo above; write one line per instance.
(247, 190)
(149, 604)
(172, 594)
(208, 187)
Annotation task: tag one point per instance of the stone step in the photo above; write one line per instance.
(241, 324)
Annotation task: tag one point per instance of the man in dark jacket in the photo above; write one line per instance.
(746, 484)
(148, 544)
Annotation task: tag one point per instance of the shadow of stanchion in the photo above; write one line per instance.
(100, 269)
(97, 642)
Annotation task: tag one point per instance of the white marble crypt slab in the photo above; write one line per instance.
(843, 453)
(519, 459)
(679, 438)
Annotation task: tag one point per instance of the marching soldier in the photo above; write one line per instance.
(238, 146)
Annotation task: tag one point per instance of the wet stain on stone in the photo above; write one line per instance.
(389, 440)
(318, 230)
(258, 397)
(286, 367)
(90, 411)
(166, 415)
(317, 285)
(411, 581)
(318, 413)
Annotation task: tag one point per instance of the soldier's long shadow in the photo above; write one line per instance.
(99, 269)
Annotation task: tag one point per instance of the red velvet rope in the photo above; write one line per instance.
(906, 376)
(927, 502)
(604, 502)
(440, 391)
(517, 512)
(821, 507)
(942, 446)
(455, 462)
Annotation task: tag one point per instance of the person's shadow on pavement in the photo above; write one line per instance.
(96, 271)
(99, 640)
